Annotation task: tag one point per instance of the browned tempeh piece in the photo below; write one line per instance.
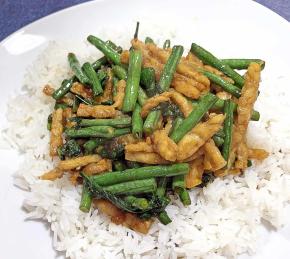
(203, 131)
(48, 90)
(80, 89)
(52, 174)
(184, 105)
(119, 97)
(67, 115)
(120, 217)
(96, 111)
(213, 159)
(257, 153)
(145, 157)
(246, 102)
(104, 165)
(194, 176)
(164, 146)
(73, 163)
(56, 131)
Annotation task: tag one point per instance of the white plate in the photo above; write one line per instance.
(229, 28)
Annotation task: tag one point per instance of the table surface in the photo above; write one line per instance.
(18, 13)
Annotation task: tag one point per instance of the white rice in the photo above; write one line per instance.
(224, 219)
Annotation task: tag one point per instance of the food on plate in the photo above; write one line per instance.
(139, 125)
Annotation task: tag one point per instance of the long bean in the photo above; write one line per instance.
(76, 68)
(94, 80)
(206, 102)
(140, 203)
(228, 128)
(142, 96)
(242, 63)
(119, 72)
(107, 50)
(166, 44)
(133, 187)
(151, 121)
(169, 68)
(133, 80)
(209, 59)
(63, 89)
(137, 122)
(92, 144)
(148, 80)
(176, 124)
(161, 187)
(86, 199)
(164, 218)
(117, 123)
(99, 62)
(148, 40)
(146, 172)
(228, 87)
(219, 105)
(96, 131)
(178, 185)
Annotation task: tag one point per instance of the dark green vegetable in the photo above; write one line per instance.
(166, 44)
(242, 63)
(119, 72)
(92, 144)
(169, 69)
(76, 68)
(206, 102)
(119, 165)
(64, 89)
(70, 149)
(111, 149)
(169, 109)
(86, 199)
(140, 203)
(250, 163)
(102, 75)
(164, 218)
(115, 85)
(142, 96)
(107, 50)
(133, 80)
(146, 172)
(114, 46)
(218, 140)
(133, 187)
(49, 121)
(99, 63)
(219, 105)
(93, 78)
(148, 40)
(209, 59)
(228, 87)
(76, 104)
(151, 121)
(176, 124)
(137, 122)
(206, 179)
(228, 129)
(148, 80)
(60, 106)
(96, 131)
(178, 185)
(156, 204)
(133, 164)
(117, 123)
(161, 187)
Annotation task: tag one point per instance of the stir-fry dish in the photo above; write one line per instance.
(140, 125)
